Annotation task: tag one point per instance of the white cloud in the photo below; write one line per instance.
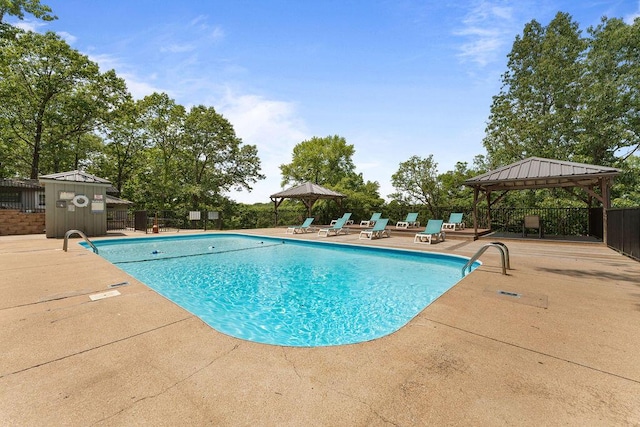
(273, 127)
(106, 62)
(487, 28)
(178, 48)
(28, 25)
(69, 38)
(138, 87)
(214, 33)
(633, 16)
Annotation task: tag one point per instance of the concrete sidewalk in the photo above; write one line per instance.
(564, 352)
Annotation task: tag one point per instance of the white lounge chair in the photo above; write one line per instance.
(369, 223)
(378, 231)
(454, 223)
(303, 228)
(410, 221)
(433, 229)
(346, 217)
(337, 228)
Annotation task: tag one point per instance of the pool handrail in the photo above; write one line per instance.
(504, 257)
(84, 236)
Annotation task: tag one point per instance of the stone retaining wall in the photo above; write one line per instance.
(14, 222)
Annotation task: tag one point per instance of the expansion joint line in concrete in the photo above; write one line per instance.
(44, 301)
(94, 348)
(536, 352)
(169, 387)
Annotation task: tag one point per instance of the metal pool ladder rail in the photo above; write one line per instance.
(84, 236)
(504, 257)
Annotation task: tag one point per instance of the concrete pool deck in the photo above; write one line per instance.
(566, 351)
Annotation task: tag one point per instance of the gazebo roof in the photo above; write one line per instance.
(537, 172)
(308, 193)
(308, 190)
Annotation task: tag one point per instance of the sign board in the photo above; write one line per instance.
(213, 215)
(67, 195)
(194, 215)
(97, 206)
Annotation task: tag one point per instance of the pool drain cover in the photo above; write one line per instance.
(526, 298)
(509, 294)
(117, 285)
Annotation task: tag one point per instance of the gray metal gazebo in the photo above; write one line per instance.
(535, 173)
(308, 193)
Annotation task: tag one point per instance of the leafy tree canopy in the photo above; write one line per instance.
(328, 161)
(569, 97)
(18, 8)
(325, 161)
(51, 96)
(416, 182)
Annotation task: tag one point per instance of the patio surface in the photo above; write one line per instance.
(565, 353)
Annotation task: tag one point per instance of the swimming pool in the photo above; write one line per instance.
(286, 291)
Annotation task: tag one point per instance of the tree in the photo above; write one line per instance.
(610, 87)
(215, 158)
(453, 191)
(158, 183)
(328, 161)
(626, 189)
(363, 198)
(535, 113)
(416, 182)
(171, 159)
(18, 8)
(325, 161)
(124, 145)
(51, 96)
(569, 97)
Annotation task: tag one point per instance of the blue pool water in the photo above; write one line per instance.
(288, 292)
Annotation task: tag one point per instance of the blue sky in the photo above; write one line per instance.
(395, 78)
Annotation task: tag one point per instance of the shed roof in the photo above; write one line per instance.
(537, 172)
(112, 200)
(76, 176)
(20, 183)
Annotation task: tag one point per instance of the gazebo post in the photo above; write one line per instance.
(606, 204)
(275, 211)
(488, 219)
(475, 213)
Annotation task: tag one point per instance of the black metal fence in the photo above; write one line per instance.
(557, 221)
(623, 231)
(119, 220)
(24, 199)
(149, 222)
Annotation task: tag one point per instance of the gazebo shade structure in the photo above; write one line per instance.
(536, 173)
(308, 193)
